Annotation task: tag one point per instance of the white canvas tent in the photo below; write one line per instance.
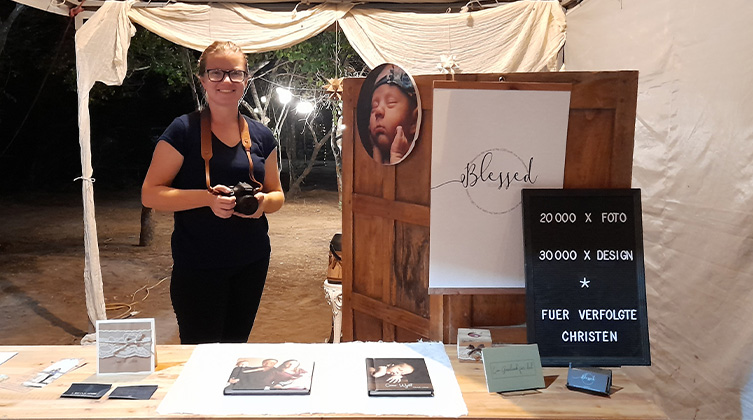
(414, 41)
(692, 161)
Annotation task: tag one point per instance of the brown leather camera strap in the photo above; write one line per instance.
(246, 141)
(206, 144)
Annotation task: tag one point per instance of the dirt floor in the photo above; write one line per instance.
(42, 262)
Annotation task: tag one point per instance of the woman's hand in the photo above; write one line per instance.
(259, 211)
(221, 202)
(271, 198)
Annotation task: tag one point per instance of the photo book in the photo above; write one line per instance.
(268, 376)
(393, 377)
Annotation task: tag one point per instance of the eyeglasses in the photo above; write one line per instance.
(218, 75)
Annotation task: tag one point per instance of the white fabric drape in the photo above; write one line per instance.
(254, 30)
(521, 36)
(101, 52)
(692, 161)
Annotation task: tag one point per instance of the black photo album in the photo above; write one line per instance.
(398, 377)
(268, 376)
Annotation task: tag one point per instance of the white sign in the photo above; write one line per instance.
(487, 145)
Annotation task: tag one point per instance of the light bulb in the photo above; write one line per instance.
(283, 95)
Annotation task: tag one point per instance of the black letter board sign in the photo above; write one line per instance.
(585, 279)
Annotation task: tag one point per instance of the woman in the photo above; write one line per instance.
(220, 256)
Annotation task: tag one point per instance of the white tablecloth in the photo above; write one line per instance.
(338, 385)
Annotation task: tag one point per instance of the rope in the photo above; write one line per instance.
(83, 178)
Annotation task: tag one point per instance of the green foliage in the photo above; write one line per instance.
(161, 58)
(38, 104)
(154, 64)
(310, 63)
(39, 43)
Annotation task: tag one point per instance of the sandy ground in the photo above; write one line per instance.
(42, 262)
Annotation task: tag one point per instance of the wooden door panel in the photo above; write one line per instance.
(374, 256)
(489, 309)
(411, 268)
(586, 128)
(366, 327)
(404, 336)
(386, 212)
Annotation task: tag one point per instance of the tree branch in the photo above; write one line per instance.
(5, 26)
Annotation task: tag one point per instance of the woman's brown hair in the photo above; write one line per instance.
(219, 47)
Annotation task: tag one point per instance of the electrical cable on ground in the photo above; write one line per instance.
(128, 308)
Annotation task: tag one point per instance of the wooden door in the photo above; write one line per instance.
(386, 212)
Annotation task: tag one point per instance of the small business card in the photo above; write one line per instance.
(133, 392)
(82, 390)
(514, 367)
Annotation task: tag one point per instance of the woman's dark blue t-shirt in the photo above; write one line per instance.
(201, 239)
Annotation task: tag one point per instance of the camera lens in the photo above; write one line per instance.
(246, 204)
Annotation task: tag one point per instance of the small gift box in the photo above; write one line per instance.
(470, 343)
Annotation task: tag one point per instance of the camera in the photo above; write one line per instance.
(245, 202)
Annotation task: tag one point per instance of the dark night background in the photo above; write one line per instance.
(39, 147)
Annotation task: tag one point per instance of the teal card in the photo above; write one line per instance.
(513, 367)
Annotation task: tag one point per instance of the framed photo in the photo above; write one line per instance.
(125, 346)
(388, 114)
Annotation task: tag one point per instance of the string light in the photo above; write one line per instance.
(283, 95)
(304, 107)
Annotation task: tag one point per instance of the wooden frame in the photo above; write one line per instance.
(386, 212)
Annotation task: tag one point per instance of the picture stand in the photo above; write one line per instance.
(591, 380)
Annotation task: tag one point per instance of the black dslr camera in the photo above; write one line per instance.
(245, 202)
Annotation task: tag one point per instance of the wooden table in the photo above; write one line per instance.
(627, 401)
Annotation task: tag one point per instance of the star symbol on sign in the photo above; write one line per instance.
(584, 283)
